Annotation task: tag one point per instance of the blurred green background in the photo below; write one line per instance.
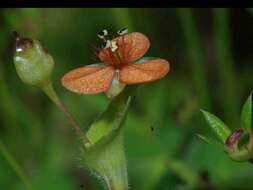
(210, 52)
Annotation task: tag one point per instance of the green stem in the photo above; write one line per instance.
(195, 55)
(15, 166)
(50, 92)
(225, 64)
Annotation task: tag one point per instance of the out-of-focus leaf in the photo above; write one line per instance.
(179, 176)
(171, 181)
(147, 172)
(219, 166)
(220, 128)
(52, 180)
(246, 115)
(195, 54)
(228, 85)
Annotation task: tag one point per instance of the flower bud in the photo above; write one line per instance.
(33, 63)
(233, 139)
(239, 146)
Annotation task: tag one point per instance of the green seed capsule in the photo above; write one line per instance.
(33, 64)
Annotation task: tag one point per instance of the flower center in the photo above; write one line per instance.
(112, 48)
(114, 53)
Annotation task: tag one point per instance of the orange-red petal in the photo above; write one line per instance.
(89, 79)
(144, 72)
(131, 47)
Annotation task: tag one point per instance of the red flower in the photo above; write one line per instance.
(120, 67)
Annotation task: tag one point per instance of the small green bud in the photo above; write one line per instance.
(33, 63)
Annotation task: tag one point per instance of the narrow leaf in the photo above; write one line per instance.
(111, 119)
(210, 141)
(220, 128)
(246, 115)
(205, 139)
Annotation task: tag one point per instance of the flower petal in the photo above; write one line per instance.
(145, 72)
(89, 79)
(131, 46)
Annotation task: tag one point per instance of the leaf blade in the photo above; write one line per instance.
(112, 118)
(246, 114)
(218, 126)
(210, 141)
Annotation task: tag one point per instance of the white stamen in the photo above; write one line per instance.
(100, 36)
(114, 46)
(123, 31)
(105, 32)
(108, 44)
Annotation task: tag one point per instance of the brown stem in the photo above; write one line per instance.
(49, 90)
(73, 122)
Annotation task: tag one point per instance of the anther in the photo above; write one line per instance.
(122, 31)
(102, 34)
(114, 46)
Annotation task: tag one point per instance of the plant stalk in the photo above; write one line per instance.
(50, 92)
(195, 55)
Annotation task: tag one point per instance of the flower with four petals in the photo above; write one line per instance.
(122, 64)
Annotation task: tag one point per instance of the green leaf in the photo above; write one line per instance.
(244, 140)
(205, 139)
(105, 155)
(220, 128)
(111, 119)
(246, 115)
(210, 141)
